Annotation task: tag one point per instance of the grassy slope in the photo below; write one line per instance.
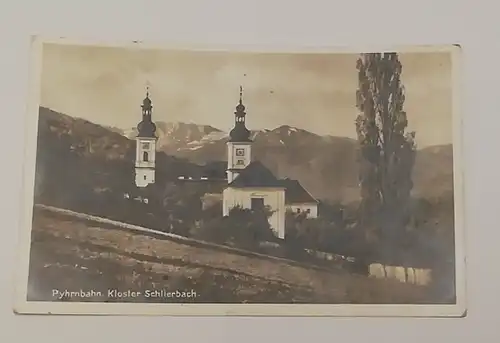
(74, 255)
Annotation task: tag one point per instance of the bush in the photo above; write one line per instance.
(244, 228)
(321, 233)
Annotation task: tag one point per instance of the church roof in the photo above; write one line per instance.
(295, 193)
(239, 133)
(256, 175)
(146, 128)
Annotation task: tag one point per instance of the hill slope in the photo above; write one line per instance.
(77, 159)
(69, 254)
(433, 171)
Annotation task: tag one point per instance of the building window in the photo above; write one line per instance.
(240, 163)
(298, 210)
(308, 210)
(257, 204)
(145, 177)
(145, 156)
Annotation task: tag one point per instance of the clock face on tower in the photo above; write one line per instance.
(240, 152)
(145, 146)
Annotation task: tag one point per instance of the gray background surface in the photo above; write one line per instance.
(473, 24)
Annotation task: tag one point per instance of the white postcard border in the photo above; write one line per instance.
(22, 306)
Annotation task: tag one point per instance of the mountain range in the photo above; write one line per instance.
(326, 165)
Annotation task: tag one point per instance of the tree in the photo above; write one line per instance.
(242, 227)
(387, 150)
(249, 227)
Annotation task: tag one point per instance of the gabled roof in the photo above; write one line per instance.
(256, 175)
(295, 193)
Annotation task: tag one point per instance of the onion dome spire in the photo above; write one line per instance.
(146, 128)
(240, 133)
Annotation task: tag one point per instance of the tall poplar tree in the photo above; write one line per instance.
(387, 151)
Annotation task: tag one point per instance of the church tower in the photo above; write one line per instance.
(239, 144)
(145, 146)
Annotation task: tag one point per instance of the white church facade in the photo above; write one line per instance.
(255, 188)
(251, 185)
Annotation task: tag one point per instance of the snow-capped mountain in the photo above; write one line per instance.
(182, 139)
(178, 136)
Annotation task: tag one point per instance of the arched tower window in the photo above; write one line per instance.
(145, 156)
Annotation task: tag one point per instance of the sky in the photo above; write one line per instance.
(315, 91)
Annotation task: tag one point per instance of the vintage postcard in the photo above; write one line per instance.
(167, 180)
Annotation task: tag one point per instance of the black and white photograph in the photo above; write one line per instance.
(219, 181)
